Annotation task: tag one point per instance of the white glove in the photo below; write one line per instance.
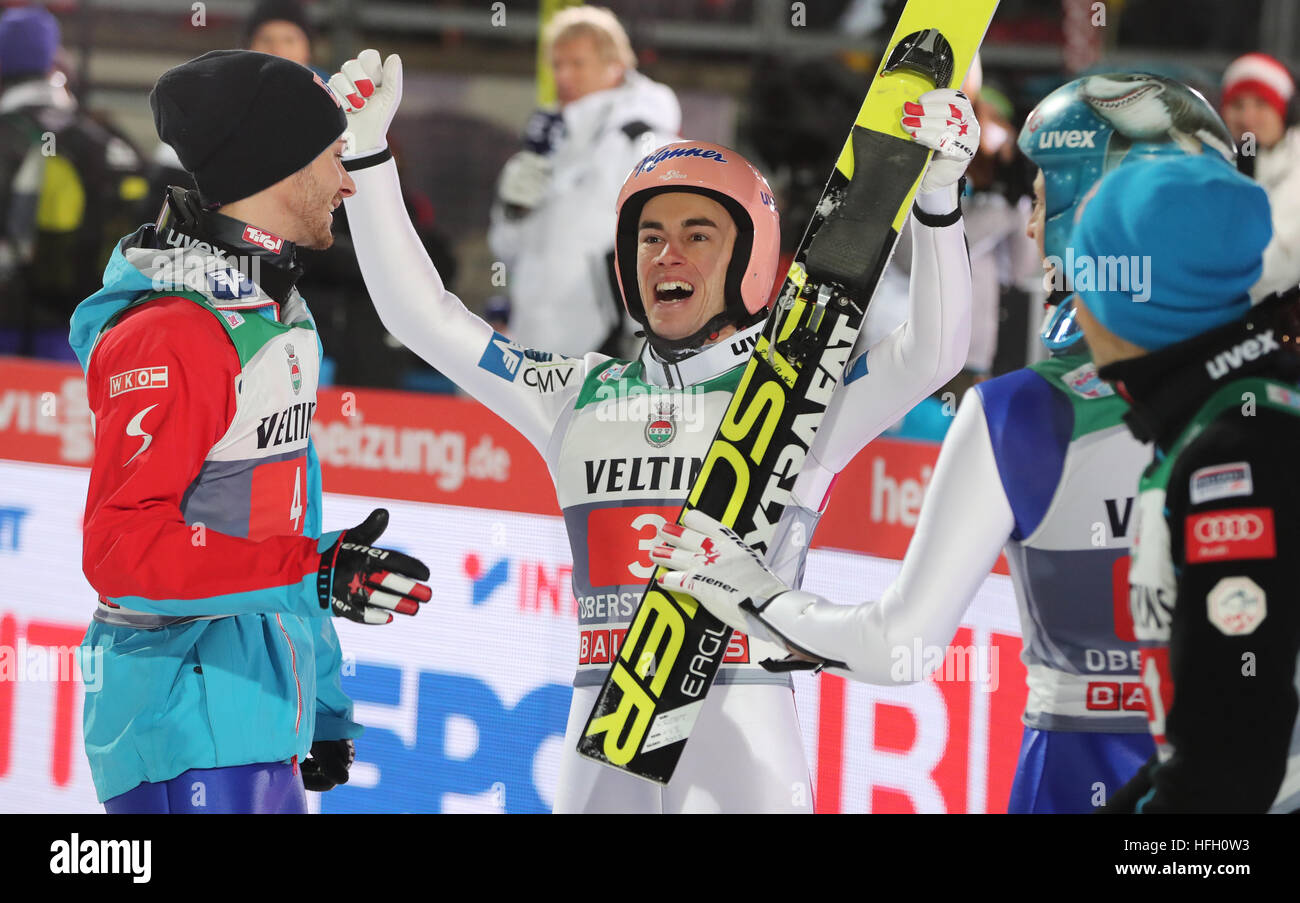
(943, 120)
(524, 180)
(710, 562)
(370, 93)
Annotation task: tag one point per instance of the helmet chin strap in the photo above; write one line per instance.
(670, 351)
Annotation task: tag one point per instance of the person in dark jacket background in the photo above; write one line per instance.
(70, 186)
(1212, 382)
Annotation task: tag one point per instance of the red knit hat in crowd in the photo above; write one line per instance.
(1259, 74)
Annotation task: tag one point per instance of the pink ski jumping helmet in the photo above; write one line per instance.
(725, 176)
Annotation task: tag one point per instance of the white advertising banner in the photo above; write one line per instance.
(465, 704)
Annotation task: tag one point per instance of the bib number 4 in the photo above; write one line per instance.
(275, 502)
(295, 509)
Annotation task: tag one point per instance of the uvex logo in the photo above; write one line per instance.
(255, 236)
(1226, 361)
(176, 239)
(1071, 138)
(744, 345)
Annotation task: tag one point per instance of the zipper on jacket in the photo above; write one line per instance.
(293, 664)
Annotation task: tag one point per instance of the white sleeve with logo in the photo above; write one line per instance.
(530, 390)
(965, 520)
(910, 363)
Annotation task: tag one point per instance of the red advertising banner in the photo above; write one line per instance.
(44, 416)
(876, 500)
(427, 448)
(422, 448)
(449, 450)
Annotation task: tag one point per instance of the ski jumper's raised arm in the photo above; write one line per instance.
(530, 390)
(885, 381)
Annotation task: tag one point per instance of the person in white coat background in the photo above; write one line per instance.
(1257, 89)
(552, 223)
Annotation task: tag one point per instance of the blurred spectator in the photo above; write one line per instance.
(553, 221)
(359, 351)
(1001, 180)
(1003, 259)
(280, 28)
(70, 185)
(864, 17)
(277, 27)
(1257, 91)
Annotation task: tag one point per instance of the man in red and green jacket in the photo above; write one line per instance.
(202, 533)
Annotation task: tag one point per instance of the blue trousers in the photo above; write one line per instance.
(1073, 771)
(267, 789)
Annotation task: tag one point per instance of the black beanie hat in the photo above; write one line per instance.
(277, 11)
(241, 121)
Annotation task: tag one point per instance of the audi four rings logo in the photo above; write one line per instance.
(1229, 528)
(1233, 533)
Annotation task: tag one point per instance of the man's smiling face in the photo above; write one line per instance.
(315, 192)
(684, 245)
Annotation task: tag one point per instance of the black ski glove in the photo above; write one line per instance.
(363, 583)
(327, 765)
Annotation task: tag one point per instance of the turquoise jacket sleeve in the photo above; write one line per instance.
(333, 707)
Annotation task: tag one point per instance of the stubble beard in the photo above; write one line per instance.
(309, 199)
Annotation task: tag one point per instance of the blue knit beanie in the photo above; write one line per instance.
(29, 38)
(1189, 232)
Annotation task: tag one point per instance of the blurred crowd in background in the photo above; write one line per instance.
(515, 199)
